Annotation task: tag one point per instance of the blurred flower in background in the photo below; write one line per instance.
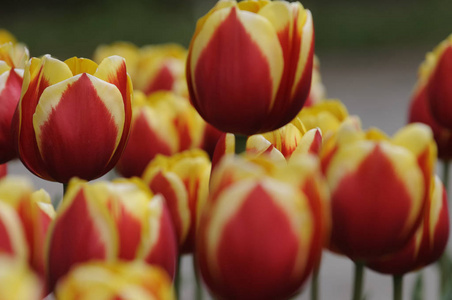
(73, 118)
(241, 254)
(152, 67)
(25, 216)
(110, 221)
(13, 57)
(115, 280)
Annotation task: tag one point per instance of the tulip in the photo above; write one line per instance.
(183, 180)
(420, 112)
(436, 71)
(118, 280)
(238, 47)
(429, 241)
(241, 254)
(17, 281)
(162, 123)
(110, 221)
(379, 188)
(153, 67)
(12, 62)
(25, 217)
(73, 117)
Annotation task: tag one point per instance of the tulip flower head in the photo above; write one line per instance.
(243, 255)
(436, 72)
(379, 188)
(249, 64)
(73, 117)
(183, 180)
(152, 68)
(427, 244)
(118, 280)
(25, 217)
(162, 123)
(12, 62)
(110, 221)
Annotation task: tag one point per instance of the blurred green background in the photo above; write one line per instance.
(75, 28)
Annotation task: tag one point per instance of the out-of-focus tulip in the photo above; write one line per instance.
(18, 281)
(73, 117)
(237, 47)
(420, 112)
(379, 188)
(25, 217)
(118, 280)
(110, 221)
(6, 37)
(436, 72)
(12, 62)
(162, 123)
(429, 241)
(183, 179)
(3, 170)
(241, 254)
(279, 145)
(153, 67)
(317, 92)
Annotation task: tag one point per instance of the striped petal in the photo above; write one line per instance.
(84, 149)
(252, 49)
(12, 237)
(92, 231)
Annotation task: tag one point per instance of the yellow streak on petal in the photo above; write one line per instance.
(279, 13)
(151, 230)
(416, 137)
(54, 70)
(81, 65)
(306, 31)
(260, 31)
(50, 98)
(108, 68)
(306, 141)
(14, 189)
(14, 229)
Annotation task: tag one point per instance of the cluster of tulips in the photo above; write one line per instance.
(230, 152)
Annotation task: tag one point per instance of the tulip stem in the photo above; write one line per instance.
(64, 188)
(397, 282)
(315, 284)
(358, 283)
(177, 277)
(240, 143)
(446, 165)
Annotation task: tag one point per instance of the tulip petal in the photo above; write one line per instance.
(253, 49)
(81, 65)
(12, 237)
(90, 228)
(78, 148)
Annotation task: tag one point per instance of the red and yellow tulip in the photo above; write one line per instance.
(428, 243)
(238, 47)
(436, 72)
(73, 117)
(25, 217)
(153, 67)
(379, 188)
(12, 62)
(183, 179)
(117, 280)
(244, 255)
(18, 281)
(110, 221)
(162, 123)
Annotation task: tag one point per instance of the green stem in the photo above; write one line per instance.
(240, 143)
(358, 282)
(64, 188)
(177, 277)
(315, 284)
(397, 281)
(446, 166)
